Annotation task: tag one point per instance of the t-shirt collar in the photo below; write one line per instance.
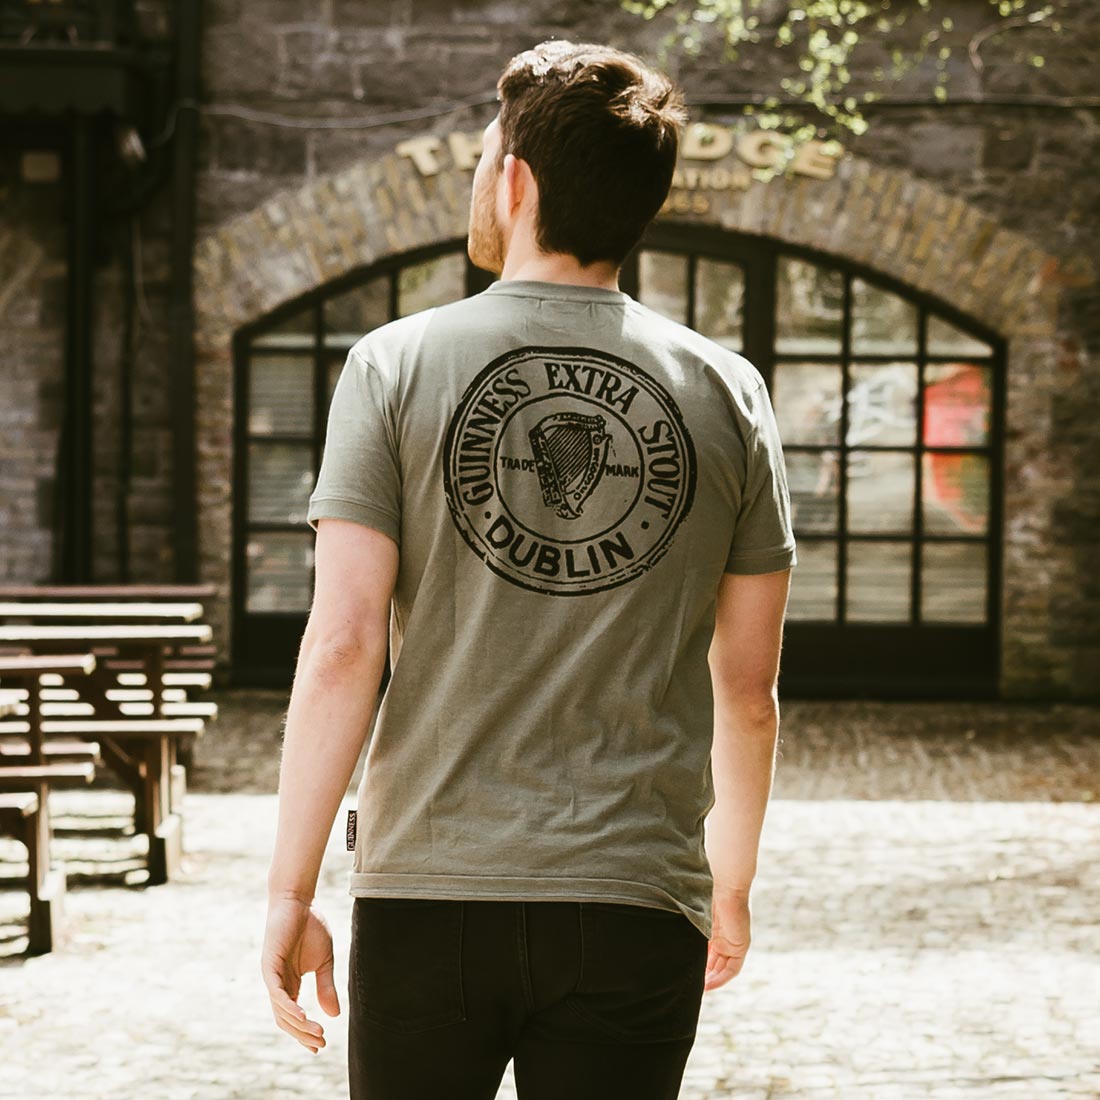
(540, 288)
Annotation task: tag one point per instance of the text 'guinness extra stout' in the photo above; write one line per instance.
(567, 470)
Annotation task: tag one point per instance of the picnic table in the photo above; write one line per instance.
(24, 793)
(142, 751)
(143, 642)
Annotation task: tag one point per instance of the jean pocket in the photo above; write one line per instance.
(406, 956)
(642, 972)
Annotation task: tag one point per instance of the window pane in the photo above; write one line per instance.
(662, 283)
(813, 582)
(882, 404)
(878, 581)
(813, 482)
(719, 302)
(955, 489)
(281, 395)
(350, 315)
(881, 487)
(431, 283)
(280, 570)
(809, 307)
(953, 582)
(806, 398)
(945, 339)
(882, 323)
(957, 400)
(296, 333)
(280, 479)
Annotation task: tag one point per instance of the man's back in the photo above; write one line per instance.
(568, 474)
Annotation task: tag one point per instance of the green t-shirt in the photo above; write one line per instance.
(567, 474)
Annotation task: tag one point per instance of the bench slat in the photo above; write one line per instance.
(52, 746)
(112, 727)
(106, 612)
(137, 632)
(200, 680)
(37, 773)
(27, 665)
(107, 591)
(20, 803)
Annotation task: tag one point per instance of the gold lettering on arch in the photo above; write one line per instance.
(704, 143)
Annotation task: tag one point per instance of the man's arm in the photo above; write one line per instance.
(340, 666)
(744, 663)
(744, 666)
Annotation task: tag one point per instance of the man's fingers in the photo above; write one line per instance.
(291, 1016)
(717, 976)
(297, 1029)
(306, 1038)
(721, 970)
(297, 1019)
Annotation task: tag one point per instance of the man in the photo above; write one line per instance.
(578, 513)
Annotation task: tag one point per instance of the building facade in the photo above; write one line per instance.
(923, 303)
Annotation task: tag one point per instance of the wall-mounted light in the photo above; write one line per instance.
(131, 149)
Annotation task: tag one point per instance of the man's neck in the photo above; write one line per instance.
(561, 268)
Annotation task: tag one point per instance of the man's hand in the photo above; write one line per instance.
(730, 936)
(298, 940)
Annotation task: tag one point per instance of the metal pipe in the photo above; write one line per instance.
(72, 561)
(182, 362)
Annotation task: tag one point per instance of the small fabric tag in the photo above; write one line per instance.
(352, 814)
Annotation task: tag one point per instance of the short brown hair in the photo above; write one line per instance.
(600, 130)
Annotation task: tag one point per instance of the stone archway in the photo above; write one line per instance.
(886, 219)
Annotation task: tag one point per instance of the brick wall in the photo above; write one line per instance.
(1020, 182)
(32, 310)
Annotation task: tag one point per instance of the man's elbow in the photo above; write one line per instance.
(754, 694)
(332, 652)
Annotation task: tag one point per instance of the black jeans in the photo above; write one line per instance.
(589, 999)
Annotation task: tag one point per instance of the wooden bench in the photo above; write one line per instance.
(21, 701)
(142, 642)
(24, 814)
(141, 752)
(176, 687)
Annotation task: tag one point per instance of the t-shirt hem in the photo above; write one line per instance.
(768, 562)
(521, 888)
(340, 508)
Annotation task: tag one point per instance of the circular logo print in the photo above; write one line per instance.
(567, 470)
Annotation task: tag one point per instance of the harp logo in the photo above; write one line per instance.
(567, 470)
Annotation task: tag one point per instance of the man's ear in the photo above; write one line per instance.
(519, 183)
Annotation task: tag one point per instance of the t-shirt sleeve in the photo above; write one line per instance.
(763, 538)
(360, 476)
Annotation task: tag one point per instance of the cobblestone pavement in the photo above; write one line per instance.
(925, 924)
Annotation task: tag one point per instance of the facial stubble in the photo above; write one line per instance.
(486, 242)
